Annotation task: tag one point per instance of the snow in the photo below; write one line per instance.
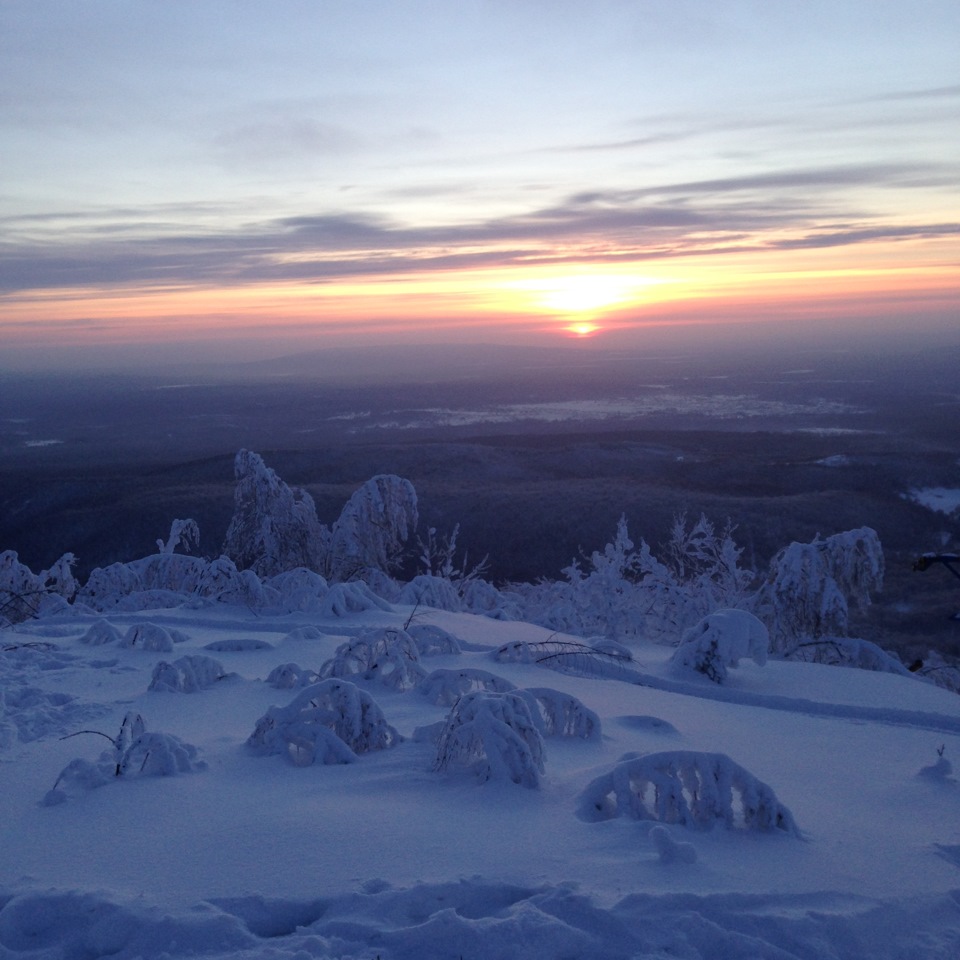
(939, 499)
(247, 854)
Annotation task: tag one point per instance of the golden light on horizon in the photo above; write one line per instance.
(584, 329)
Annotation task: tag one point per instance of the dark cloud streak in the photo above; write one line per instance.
(708, 217)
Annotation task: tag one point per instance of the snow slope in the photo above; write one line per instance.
(253, 856)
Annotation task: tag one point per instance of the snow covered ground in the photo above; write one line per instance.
(251, 855)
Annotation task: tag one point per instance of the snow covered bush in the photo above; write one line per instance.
(670, 850)
(100, 632)
(433, 641)
(719, 641)
(559, 714)
(329, 722)
(187, 675)
(568, 656)
(135, 753)
(809, 586)
(687, 788)
(626, 593)
(342, 599)
(444, 688)
(148, 636)
(183, 533)
(289, 676)
(847, 652)
(494, 735)
(297, 591)
(25, 594)
(430, 591)
(388, 655)
(937, 670)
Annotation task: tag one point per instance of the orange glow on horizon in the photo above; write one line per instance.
(578, 300)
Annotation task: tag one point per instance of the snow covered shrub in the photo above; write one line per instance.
(810, 585)
(342, 599)
(183, 533)
(148, 636)
(444, 688)
(99, 633)
(939, 772)
(938, 671)
(429, 591)
(670, 850)
(298, 590)
(719, 641)
(558, 714)
(847, 652)
(135, 753)
(494, 735)
(187, 675)
(687, 788)
(481, 597)
(385, 654)
(25, 594)
(289, 676)
(328, 722)
(433, 641)
(567, 656)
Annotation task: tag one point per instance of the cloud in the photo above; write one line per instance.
(719, 216)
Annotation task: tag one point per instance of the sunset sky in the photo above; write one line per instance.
(236, 178)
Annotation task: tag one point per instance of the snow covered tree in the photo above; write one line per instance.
(274, 527)
(494, 735)
(372, 528)
(25, 594)
(809, 586)
(183, 533)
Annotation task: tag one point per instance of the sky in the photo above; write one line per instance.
(225, 179)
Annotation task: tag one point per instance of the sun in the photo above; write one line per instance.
(586, 293)
(582, 329)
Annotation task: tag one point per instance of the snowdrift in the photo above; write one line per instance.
(797, 810)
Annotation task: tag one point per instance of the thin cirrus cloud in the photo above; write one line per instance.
(717, 216)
